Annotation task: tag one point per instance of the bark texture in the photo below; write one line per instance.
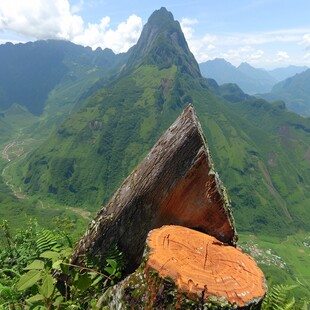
(176, 183)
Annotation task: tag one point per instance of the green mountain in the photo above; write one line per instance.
(295, 91)
(251, 80)
(260, 149)
(162, 44)
(50, 79)
(29, 72)
(281, 74)
(13, 121)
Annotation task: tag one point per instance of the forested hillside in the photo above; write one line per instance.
(68, 141)
(266, 168)
(294, 91)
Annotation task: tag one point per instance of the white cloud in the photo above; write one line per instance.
(257, 55)
(77, 7)
(211, 47)
(186, 24)
(119, 40)
(282, 55)
(307, 56)
(245, 53)
(55, 19)
(40, 19)
(256, 48)
(306, 40)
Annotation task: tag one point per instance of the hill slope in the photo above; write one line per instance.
(295, 91)
(261, 150)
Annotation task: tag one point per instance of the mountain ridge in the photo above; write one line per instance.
(294, 91)
(87, 157)
(251, 80)
(56, 61)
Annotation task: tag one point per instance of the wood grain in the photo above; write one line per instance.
(202, 266)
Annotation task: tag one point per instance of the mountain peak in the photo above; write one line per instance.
(162, 43)
(244, 65)
(160, 16)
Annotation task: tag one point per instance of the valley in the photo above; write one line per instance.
(64, 154)
(283, 260)
(16, 206)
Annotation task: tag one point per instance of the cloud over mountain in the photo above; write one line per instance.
(55, 19)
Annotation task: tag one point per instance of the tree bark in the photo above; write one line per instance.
(176, 183)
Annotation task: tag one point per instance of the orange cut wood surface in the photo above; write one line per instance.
(199, 264)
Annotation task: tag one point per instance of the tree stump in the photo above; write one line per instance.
(187, 269)
(176, 184)
(202, 266)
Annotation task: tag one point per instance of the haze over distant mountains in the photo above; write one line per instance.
(75, 123)
(251, 80)
(294, 91)
(102, 112)
(260, 149)
(29, 72)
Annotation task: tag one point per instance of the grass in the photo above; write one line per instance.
(19, 209)
(283, 260)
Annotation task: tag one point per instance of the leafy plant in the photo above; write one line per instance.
(49, 280)
(277, 298)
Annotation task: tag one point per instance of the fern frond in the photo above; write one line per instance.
(47, 241)
(277, 298)
(114, 253)
(289, 305)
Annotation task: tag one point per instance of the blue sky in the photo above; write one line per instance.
(264, 33)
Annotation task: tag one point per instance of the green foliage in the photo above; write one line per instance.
(18, 211)
(46, 241)
(260, 151)
(294, 91)
(277, 298)
(48, 280)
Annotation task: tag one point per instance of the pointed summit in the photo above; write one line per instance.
(160, 17)
(162, 43)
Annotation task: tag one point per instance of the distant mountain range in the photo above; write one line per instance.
(261, 151)
(295, 91)
(251, 80)
(75, 123)
(51, 76)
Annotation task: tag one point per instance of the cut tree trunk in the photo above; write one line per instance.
(187, 269)
(176, 183)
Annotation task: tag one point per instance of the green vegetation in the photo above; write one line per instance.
(261, 152)
(294, 91)
(17, 209)
(125, 114)
(283, 260)
(31, 71)
(35, 272)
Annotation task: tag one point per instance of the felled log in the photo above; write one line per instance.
(176, 183)
(187, 269)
